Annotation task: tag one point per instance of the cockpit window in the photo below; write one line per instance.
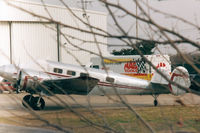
(72, 73)
(109, 79)
(57, 70)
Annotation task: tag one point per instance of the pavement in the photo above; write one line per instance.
(10, 105)
(4, 128)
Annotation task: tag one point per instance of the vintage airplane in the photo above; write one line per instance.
(60, 78)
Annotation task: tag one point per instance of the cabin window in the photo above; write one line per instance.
(72, 73)
(109, 79)
(57, 70)
(95, 66)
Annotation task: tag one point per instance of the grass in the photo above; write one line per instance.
(161, 119)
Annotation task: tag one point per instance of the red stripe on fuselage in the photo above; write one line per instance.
(107, 84)
(101, 83)
(58, 75)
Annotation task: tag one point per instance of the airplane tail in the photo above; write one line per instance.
(179, 75)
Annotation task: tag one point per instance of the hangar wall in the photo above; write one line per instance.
(25, 38)
(29, 42)
(4, 43)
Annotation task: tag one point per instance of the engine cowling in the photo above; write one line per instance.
(181, 77)
(28, 80)
(31, 81)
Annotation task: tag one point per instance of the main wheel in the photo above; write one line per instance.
(39, 103)
(155, 102)
(28, 101)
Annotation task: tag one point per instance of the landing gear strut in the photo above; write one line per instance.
(39, 103)
(155, 100)
(36, 103)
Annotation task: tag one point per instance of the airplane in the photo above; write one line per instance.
(60, 78)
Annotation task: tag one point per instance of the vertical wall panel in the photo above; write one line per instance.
(78, 46)
(4, 43)
(32, 42)
(73, 50)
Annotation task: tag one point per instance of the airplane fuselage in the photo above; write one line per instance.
(108, 82)
(59, 78)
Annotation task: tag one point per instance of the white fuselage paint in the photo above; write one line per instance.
(122, 84)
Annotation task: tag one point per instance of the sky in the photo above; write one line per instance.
(187, 9)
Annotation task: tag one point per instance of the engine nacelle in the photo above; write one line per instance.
(29, 80)
(181, 77)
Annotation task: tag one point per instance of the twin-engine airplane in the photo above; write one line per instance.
(59, 78)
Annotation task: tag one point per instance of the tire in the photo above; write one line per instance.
(40, 105)
(155, 103)
(28, 100)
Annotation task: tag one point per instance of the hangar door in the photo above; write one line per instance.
(4, 43)
(73, 50)
(34, 41)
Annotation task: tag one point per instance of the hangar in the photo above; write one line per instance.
(25, 38)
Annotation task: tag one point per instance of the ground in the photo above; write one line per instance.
(174, 114)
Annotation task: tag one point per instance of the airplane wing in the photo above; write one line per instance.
(72, 85)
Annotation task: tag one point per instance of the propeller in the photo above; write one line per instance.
(18, 78)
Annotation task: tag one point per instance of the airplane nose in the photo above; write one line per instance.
(7, 72)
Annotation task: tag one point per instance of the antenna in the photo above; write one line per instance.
(84, 3)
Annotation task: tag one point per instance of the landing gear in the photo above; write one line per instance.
(28, 101)
(155, 100)
(39, 103)
(36, 103)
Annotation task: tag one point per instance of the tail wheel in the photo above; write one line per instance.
(155, 102)
(28, 101)
(39, 103)
(155, 96)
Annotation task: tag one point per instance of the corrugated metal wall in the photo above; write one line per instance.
(77, 46)
(33, 41)
(4, 43)
(30, 39)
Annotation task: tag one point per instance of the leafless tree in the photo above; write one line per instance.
(153, 31)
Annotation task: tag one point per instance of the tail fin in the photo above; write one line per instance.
(180, 76)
